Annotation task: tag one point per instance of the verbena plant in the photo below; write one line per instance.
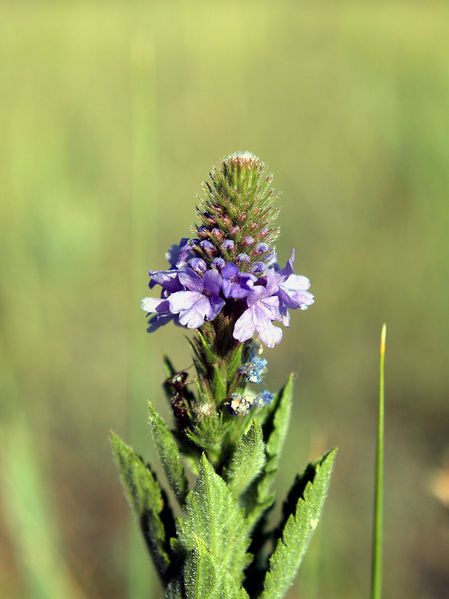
(226, 284)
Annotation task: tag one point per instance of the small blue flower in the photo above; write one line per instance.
(254, 369)
(264, 399)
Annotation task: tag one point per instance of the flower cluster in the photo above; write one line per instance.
(230, 268)
(194, 292)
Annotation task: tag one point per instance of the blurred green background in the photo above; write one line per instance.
(111, 115)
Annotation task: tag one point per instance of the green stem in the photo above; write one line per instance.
(376, 575)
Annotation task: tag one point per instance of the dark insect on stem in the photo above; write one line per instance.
(178, 381)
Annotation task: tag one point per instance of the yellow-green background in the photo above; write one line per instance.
(111, 114)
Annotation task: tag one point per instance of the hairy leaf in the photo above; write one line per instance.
(299, 527)
(207, 579)
(144, 495)
(248, 460)
(169, 454)
(213, 538)
(259, 498)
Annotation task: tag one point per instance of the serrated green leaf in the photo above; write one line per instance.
(248, 460)
(299, 527)
(259, 498)
(277, 424)
(169, 455)
(207, 579)
(213, 538)
(144, 495)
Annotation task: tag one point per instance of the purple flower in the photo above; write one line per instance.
(258, 268)
(160, 308)
(236, 285)
(261, 248)
(263, 308)
(228, 245)
(218, 263)
(198, 265)
(241, 258)
(293, 290)
(167, 279)
(177, 254)
(248, 240)
(207, 246)
(200, 301)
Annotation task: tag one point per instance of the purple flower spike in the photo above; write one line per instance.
(228, 245)
(263, 308)
(201, 301)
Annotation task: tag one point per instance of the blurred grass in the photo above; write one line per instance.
(99, 162)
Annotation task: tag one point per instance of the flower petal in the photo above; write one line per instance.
(212, 282)
(193, 317)
(288, 268)
(230, 270)
(296, 283)
(268, 333)
(151, 304)
(168, 279)
(216, 305)
(244, 327)
(190, 279)
(183, 300)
